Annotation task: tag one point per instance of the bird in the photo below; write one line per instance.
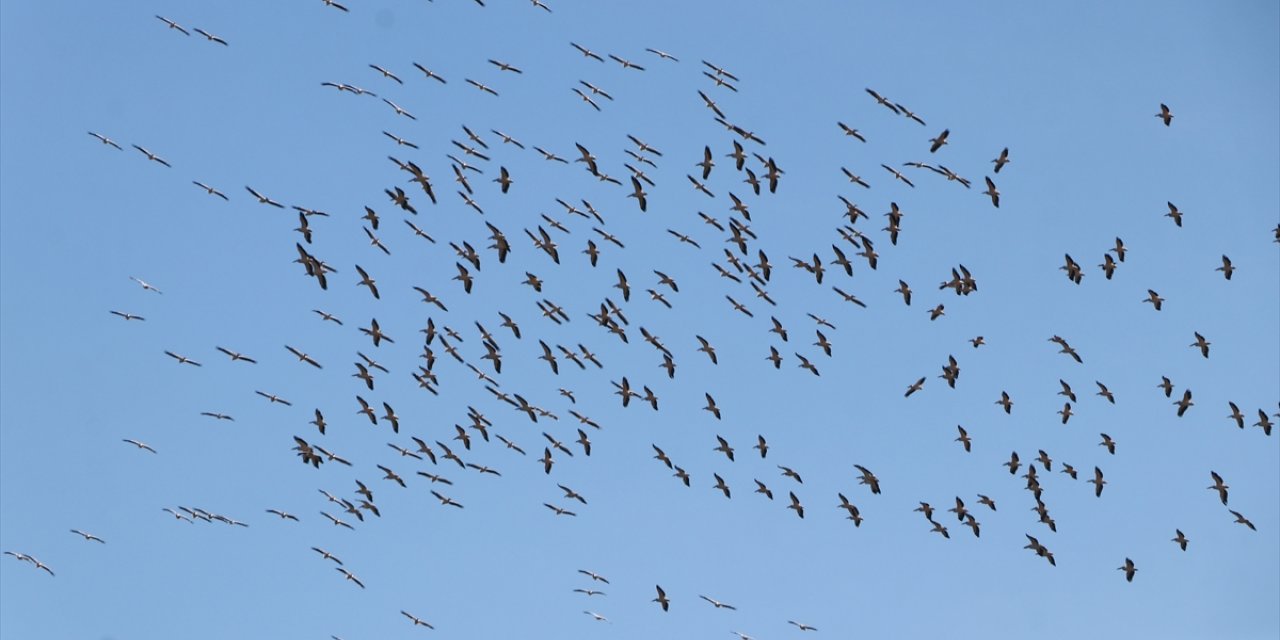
(724, 488)
(210, 37)
(993, 192)
(1240, 519)
(263, 199)
(1202, 344)
(586, 52)
(868, 479)
(1226, 268)
(882, 101)
(941, 140)
(586, 98)
(1129, 569)
(595, 577)
(105, 140)
(1219, 486)
(327, 316)
(326, 555)
(302, 357)
(790, 473)
(914, 387)
(151, 156)
(1005, 402)
(416, 620)
(141, 445)
(717, 604)
(626, 64)
(711, 406)
(1002, 160)
(1174, 213)
(350, 576)
(800, 625)
(1108, 443)
(445, 500)
(366, 281)
(1264, 422)
(796, 506)
(1185, 403)
(905, 290)
(898, 175)
(662, 598)
(400, 111)
(173, 25)
(1181, 539)
(1097, 481)
(964, 439)
(1165, 114)
(274, 398)
(724, 448)
(89, 537)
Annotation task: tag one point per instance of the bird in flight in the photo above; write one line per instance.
(89, 537)
(173, 25)
(1129, 569)
(210, 37)
(662, 599)
(105, 140)
(144, 446)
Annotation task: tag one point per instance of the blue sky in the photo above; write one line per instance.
(1071, 91)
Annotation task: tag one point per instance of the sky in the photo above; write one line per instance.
(1070, 89)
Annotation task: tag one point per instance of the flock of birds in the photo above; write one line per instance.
(744, 267)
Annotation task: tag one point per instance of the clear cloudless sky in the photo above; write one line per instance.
(1070, 88)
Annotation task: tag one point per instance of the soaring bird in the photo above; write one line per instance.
(210, 37)
(1097, 481)
(1181, 539)
(717, 604)
(416, 620)
(173, 25)
(796, 506)
(993, 192)
(1185, 403)
(1219, 486)
(1240, 519)
(868, 479)
(1226, 268)
(1202, 344)
(1129, 569)
(141, 445)
(151, 156)
(941, 140)
(1001, 161)
(89, 537)
(662, 598)
(105, 140)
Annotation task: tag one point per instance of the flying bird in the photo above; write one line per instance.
(1129, 569)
